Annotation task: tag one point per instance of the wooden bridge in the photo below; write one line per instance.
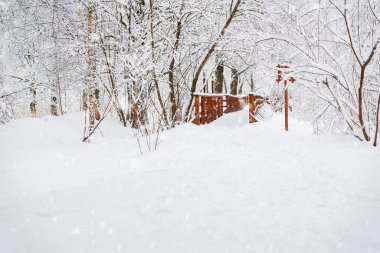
(209, 107)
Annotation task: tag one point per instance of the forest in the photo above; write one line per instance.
(144, 60)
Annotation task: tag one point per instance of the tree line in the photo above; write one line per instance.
(142, 60)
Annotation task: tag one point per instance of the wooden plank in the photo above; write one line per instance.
(197, 116)
(203, 110)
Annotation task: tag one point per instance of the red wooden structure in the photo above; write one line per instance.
(286, 94)
(209, 107)
(255, 102)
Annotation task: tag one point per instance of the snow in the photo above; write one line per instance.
(225, 187)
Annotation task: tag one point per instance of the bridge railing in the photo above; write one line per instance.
(209, 107)
(255, 102)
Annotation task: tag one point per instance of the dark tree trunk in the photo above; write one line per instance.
(97, 104)
(33, 104)
(84, 101)
(377, 121)
(235, 82)
(172, 91)
(33, 108)
(360, 104)
(53, 106)
(219, 76)
(253, 87)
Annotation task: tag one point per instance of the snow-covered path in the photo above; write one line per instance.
(226, 187)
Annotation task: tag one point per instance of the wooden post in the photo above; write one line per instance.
(197, 119)
(252, 108)
(212, 109)
(203, 110)
(286, 93)
(220, 106)
(209, 110)
(286, 107)
(215, 107)
(227, 103)
(207, 119)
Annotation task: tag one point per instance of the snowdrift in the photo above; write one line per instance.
(225, 187)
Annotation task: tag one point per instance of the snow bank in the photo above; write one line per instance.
(224, 187)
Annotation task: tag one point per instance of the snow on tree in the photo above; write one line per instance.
(143, 60)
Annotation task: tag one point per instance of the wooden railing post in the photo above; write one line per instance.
(252, 108)
(212, 109)
(228, 102)
(220, 106)
(209, 109)
(215, 107)
(197, 116)
(203, 110)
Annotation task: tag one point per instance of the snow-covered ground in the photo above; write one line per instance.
(226, 187)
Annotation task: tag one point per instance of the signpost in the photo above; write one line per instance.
(286, 94)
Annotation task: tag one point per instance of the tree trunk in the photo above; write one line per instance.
(138, 112)
(377, 121)
(53, 106)
(219, 76)
(90, 68)
(152, 43)
(360, 104)
(84, 101)
(33, 104)
(56, 97)
(174, 106)
(235, 82)
(113, 93)
(252, 84)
